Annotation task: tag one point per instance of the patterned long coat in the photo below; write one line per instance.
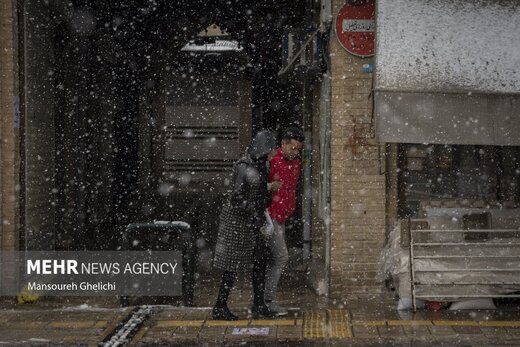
(243, 215)
(241, 218)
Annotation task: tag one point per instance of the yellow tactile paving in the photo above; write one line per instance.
(315, 324)
(499, 323)
(436, 322)
(467, 323)
(318, 324)
(369, 323)
(226, 323)
(72, 324)
(179, 323)
(101, 324)
(339, 323)
(273, 322)
(408, 322)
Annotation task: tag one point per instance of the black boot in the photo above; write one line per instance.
(223, 313)
(259, 308)
(220, 310)
(262, 311)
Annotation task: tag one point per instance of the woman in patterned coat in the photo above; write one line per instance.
(239, 244)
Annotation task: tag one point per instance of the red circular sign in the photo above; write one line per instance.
(355, 27)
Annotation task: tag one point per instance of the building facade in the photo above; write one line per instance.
(374, 153)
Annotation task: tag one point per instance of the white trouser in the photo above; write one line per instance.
(279, 257)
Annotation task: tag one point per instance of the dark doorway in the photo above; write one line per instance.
(94, 71)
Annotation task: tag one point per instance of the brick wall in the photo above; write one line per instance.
(8, 133)
(39, 126)
(357, 182)
(9, 150)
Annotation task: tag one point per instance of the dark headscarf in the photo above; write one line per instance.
(263, 143)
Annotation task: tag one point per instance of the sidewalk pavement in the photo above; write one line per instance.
(355, 321)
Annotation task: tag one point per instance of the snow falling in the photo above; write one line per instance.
(137, 112)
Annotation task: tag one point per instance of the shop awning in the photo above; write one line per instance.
(448, 71)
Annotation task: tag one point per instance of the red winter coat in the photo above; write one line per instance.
(284, 200)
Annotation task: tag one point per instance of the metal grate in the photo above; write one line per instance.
(444, 264)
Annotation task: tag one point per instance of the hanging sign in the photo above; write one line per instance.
(356, 26)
